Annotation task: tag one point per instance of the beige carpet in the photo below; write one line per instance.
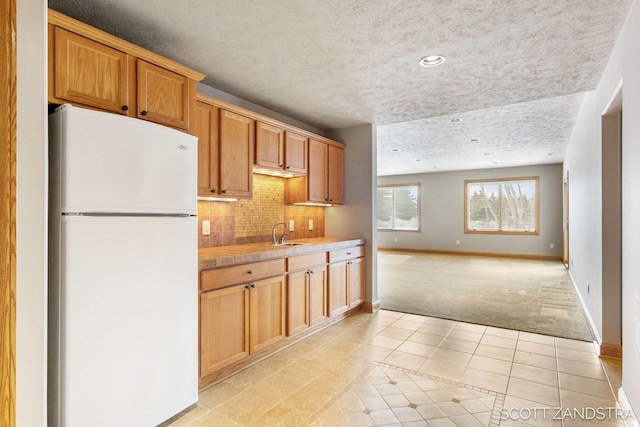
(526, 295)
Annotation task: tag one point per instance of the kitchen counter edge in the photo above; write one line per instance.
(225, 256)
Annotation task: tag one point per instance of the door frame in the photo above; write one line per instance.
(8, 146)
(565, 221)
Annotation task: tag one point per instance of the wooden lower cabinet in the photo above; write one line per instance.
(240, 320)
(224, 328)
(338, 289)
(357, 280)
(347, 279)
(306, 299)
(266, 314)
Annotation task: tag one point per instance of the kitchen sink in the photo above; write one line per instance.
(288, 244)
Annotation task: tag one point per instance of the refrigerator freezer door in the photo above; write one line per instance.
(129, 344)
(109, 163)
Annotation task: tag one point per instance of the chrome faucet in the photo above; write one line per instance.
(280, 240)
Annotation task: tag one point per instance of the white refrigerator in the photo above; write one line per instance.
(122, 272)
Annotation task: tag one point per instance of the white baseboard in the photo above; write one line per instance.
(594, 329)
(623, 403)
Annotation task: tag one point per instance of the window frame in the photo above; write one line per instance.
(535, 179)
(419, 216)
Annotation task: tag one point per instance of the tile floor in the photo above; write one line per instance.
(394, 369)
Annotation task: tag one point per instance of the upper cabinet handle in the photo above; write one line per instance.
(144, 112)
(125, 108)
(250, 271)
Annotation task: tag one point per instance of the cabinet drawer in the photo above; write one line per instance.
(227, 276)
(345, 254)
(301, 262)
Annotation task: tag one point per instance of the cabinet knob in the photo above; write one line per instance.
(250, 271)
(253, 285)
(331, 200)
(248, 287)
(348, 253)
(349, 262)
(310, 271)
(213, 190)
(288, 167)
(125, 108)
(280, 165)
(224, 191)
(143, 112)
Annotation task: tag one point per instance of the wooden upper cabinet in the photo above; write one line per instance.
(163, 96)
(295, 155)
(335, 175)
(324, 182)
(207, 126)
(236, 139)
(317, 174)
(90, 73)
(94, 69)
(269, 146)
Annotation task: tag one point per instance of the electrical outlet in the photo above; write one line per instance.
(310, 224)
(551, 246)
(588, 288)
(457, 242)
(206, 227)
(291, 225)
(395, 239)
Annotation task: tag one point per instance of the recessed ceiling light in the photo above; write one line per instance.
(417, 160)
(455, 120)
(432, 60)
(395, 149)
(495, 163)
(550, 154)
(473, 140)
(486, 154)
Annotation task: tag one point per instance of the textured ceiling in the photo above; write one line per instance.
(516, 70)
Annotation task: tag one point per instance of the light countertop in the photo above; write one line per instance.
(223, 256)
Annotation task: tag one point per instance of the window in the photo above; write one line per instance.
(399, 207)
(501, 206)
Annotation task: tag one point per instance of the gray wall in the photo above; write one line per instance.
(356, 218)
(442, 214)
(583, 164)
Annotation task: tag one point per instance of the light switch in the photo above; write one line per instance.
(206, 227)
(310, 224)
(291, 225)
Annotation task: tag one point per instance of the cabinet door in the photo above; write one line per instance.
(267, 315)
(90, 73)
(295, 153)
(269, 146)
(335, 175)
(224, 328)
(317, 295)
(163, 96)
(297, 302)
(207, 133)
(317, 174)
(357, 282)
(338, 288)
(236, 140)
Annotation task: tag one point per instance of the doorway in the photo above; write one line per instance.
(612, 227)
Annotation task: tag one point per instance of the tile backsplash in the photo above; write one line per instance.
(251, 221)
